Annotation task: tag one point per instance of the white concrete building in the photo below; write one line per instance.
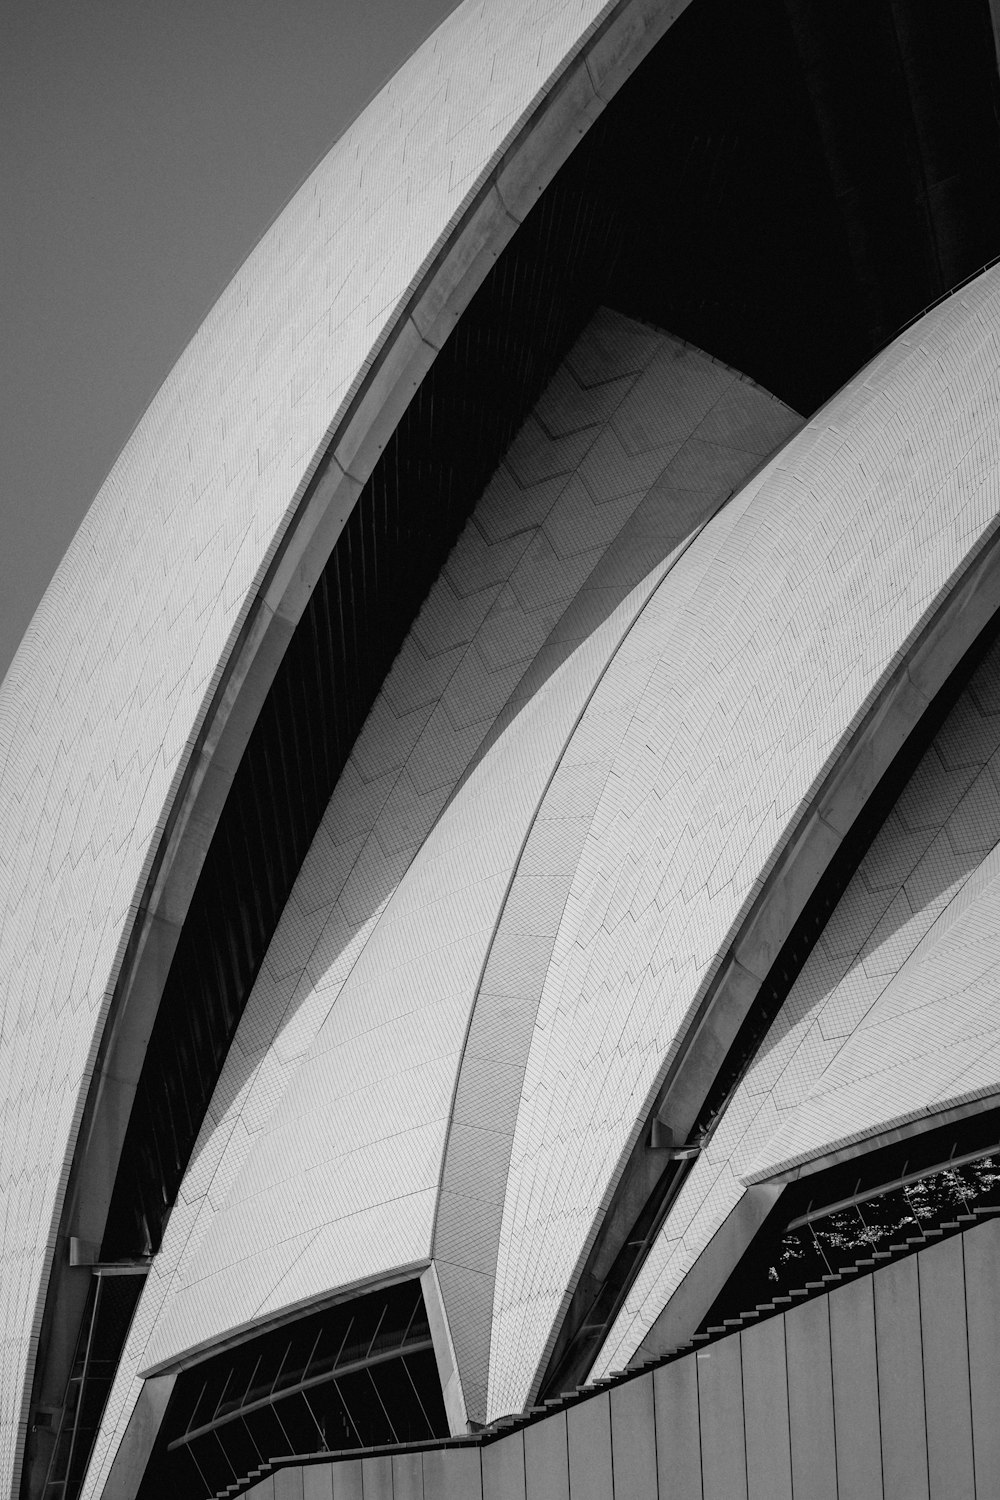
(501, 790)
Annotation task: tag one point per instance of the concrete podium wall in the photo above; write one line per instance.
(885, 1389)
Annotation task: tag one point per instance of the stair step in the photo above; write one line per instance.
(825, 1282)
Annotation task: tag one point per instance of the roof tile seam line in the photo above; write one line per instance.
(909, 968)
(838, 1151)
(901, 1125)
(288, 1315)
(245, 638)
(681, 552)
(794, 844)
(490, 737)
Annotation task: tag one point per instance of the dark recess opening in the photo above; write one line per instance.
(798, 179)
(356, 1375)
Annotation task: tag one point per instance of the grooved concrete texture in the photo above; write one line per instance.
(320, 1161)
(166, 594)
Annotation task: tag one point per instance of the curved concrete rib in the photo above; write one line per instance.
(775, 672)
(893, 1018)
(721, 428)
(126, 710)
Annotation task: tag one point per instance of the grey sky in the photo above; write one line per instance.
(145, 145)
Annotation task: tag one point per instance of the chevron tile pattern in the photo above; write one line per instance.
(603, 729)
(106, 698)
(740, 682)
(854, 1049)
(343, 1068)
(696, 401)
(627, 787)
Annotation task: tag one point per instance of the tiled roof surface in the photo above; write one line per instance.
(688, 764)
(614, 824)
(894, 1015)
(700, 712)
(320, 1162)
(761, 653)
(869, 1038)
(108, 693)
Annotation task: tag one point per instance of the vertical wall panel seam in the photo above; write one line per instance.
(656, 1441)
(968, 1367)
(833, 1398)
(701, 1454)
(611, 1440)
(788, 1406)
(923, 1356)
(878, 1385)
(743, 1408)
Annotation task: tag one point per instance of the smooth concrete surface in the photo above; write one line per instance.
(444, 1353)
(140, 1435)
(865, 1393)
